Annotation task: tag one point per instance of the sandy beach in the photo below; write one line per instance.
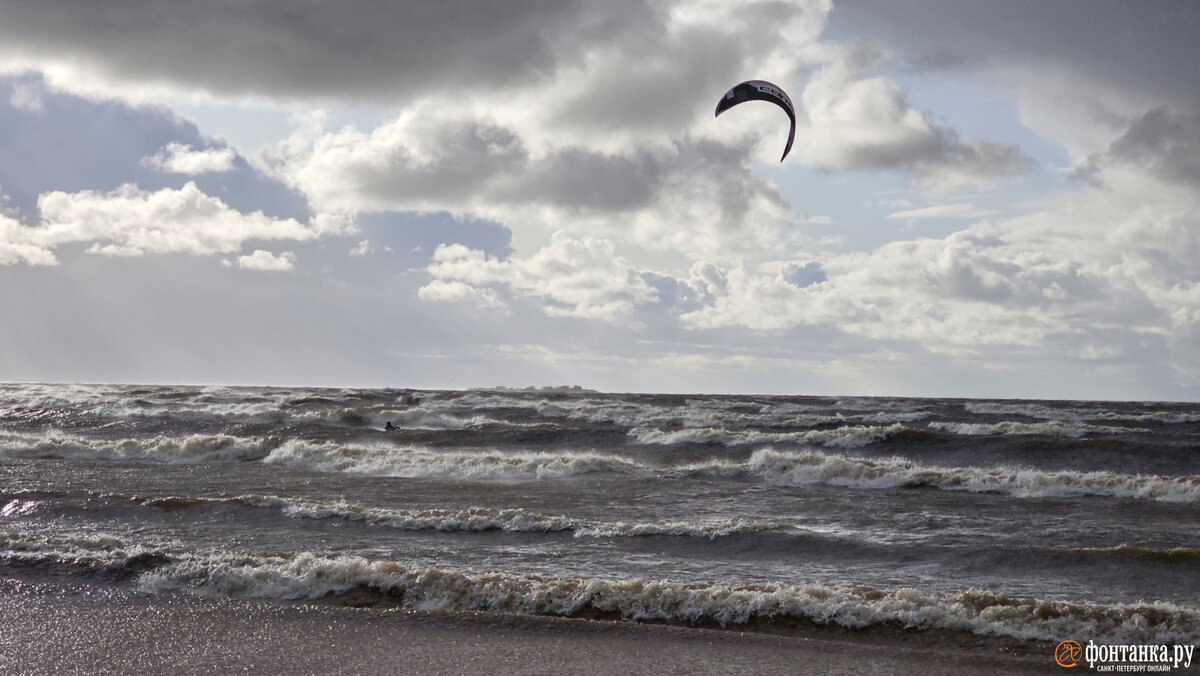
(51, 627)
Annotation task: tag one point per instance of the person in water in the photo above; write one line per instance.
(389, 426)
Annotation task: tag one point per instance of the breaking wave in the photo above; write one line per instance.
(808, 467)
(855, 436)
(1049, 428)
(414, 461)
(362, 581)
(189, 448)
(432, 588)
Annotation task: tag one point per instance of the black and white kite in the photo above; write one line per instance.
(761, 90)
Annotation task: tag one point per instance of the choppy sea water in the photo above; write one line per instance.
(1024, 519)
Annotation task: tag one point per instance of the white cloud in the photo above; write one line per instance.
(442, 291)
(854, 122)
(619, 141)
(572, 277)
(698, 197)
(616, 142)
(133, 222)
(959, 210)
(1105, 273)
(365, 248)
(179, 158)
(26, 96)
(16, 245)
(266, 261)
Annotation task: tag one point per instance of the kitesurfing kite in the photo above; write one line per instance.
(761, 90)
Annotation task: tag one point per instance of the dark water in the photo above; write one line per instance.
(1028, 519)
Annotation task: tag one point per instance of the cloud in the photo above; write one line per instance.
(364, 51)
(453, 291)
(1104, 273)
(1079, 71)
(265, 261)
(563, 117)
(538, 164)
(1147, 53)
(365, 248)
(16, 245)
(853, 122)
(572, 278)
(26, 96)
(179, 158)
(133, 222)
(693, 195)
(1162, 142)
(959, 210)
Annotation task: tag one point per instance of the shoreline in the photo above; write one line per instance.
(54, 626)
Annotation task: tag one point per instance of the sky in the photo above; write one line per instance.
(984, 199)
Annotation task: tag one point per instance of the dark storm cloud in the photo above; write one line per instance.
(1161, 143)
(288, 49)
(1165, 143)
(1151, 47)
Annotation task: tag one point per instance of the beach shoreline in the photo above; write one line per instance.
(56, 626)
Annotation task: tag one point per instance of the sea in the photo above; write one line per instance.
(1027, 520)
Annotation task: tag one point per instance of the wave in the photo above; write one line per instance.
(509, 520)
(381, 458)
(90, 554)
(190, 448)
(18, 507)
(1158, 417)
(712, 529)
(853, 436)
(468, 519)
(318, 410)
(352, 579)
(416, 461)
(808, 467)
(1049, 428)
(1075, 413)
(715, 415)
(1026, 409)
(1186, 555)
(795, 468)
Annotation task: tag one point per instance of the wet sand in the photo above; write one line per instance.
(57, 627)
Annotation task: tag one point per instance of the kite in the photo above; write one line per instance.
(761, 90)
